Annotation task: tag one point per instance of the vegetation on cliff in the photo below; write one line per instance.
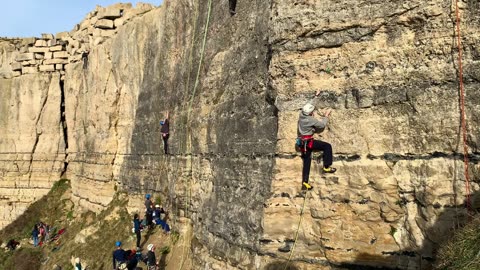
(462, 252)
(89, 236)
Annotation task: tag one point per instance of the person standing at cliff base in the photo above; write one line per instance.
(151, 259)
(149, 211)
(35, 233)
(119, 256)
(165, 130)
(136, 229)
(307, 126)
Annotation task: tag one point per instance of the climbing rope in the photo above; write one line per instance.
(298, 230)
(462, 108)
(189, 136)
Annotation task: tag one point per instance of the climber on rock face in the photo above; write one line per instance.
(165, 130)
(232, 6)
(307, 126)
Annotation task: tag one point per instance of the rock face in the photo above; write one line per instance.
(87, 104)
(391, 78)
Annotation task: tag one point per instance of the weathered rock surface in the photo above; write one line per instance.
(391, 78)
(32, 149)
(387, 69)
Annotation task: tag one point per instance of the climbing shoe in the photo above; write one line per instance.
(329, 170)
(306, 186)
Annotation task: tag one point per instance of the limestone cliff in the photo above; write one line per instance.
(87, 104)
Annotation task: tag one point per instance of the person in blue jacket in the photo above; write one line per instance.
(136, 228)
(35, 233)
(120, 256)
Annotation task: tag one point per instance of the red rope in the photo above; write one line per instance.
(462, 108)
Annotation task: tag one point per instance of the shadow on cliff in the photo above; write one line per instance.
(447, 224)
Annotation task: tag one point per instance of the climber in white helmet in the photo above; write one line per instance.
(307, 126)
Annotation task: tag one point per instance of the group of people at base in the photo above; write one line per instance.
(129, 259)
(40, 233)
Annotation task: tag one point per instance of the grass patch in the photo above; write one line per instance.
(111, 225)
(23, 259)
(393, 230)
(462, 252)
(47, 209)
(165, 250)
(89, 236)
(174, 235)
(158, 200)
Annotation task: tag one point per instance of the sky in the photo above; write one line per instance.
(31, 18)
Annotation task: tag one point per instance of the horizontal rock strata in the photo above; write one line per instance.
(87, 105)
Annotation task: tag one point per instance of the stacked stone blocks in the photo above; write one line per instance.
(50, 53)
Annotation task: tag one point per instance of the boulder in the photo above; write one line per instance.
(109, 13)
(104, 24)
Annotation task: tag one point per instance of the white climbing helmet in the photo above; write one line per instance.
(308, 109)
(150, 247)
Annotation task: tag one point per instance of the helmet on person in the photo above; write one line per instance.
(147, 196)
(150, 247)
(308, 109)
(162, 122)
(118, 243)
(157, 206)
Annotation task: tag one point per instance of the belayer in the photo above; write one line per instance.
(307, 126)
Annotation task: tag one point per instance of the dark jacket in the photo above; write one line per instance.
(165, 127)
(136, 224)
(148, 205)
(35, 232)
(157, 212)
(151, 259)
(120, 256)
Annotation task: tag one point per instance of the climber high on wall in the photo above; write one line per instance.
(307, 126)
(165, 130)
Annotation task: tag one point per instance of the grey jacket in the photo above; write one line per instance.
(307, 125)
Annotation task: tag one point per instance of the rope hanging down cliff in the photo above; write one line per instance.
(189, 145)
(298, 230)
(462, 108)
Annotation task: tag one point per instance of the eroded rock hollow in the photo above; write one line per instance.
(86, 105)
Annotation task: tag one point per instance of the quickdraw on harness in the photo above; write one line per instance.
(305, 143)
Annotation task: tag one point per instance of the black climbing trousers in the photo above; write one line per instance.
(233, 5)
(139, 237)
(165, 143)
(326, 148)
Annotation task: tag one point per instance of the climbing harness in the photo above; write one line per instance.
(298, 230)
(305, 143)
(462, 109)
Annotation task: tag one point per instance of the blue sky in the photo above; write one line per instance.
(28, 18)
